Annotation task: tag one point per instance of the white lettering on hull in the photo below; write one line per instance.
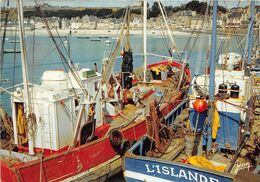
(179, 173)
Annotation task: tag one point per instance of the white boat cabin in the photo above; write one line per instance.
(232, 96)
(56, 102)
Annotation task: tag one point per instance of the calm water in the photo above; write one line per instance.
(43, 56)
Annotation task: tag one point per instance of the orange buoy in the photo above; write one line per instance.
(200, 105)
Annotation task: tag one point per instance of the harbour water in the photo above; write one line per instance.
(41, 55)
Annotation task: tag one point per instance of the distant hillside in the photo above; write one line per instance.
(200, 7)
(67, 12)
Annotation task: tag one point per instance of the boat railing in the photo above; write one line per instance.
(137, 148)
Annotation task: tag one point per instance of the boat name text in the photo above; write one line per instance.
(179, 173)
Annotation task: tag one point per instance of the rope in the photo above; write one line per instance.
(63, 59)
(111, 60)
(3, 42)
(14, 61)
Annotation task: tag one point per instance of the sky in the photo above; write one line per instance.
(122, 3)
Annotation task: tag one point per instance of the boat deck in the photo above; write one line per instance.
(138, 111)
(174, 149)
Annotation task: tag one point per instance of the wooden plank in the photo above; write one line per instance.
(174, 149)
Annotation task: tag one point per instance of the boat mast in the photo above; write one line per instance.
(25, 75)
(251, 32)
(250, 42)
(144, 37)
(212, 72)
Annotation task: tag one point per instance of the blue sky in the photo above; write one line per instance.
(122, 3)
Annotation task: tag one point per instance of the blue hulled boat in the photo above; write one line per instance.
(213, 140)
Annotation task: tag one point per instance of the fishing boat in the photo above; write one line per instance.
(77, 124)
(114, 38)
(214, 139)
(103, 37)
(14, 41)
(95, 40)
(12, 51)
(83, 37)
(108, 42)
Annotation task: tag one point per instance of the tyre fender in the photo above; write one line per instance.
(116, 138)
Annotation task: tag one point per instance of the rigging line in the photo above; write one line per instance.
(14, 60)
(63, 59)
(241, 50)
(232, 31)
(163, 35)
(3, 41)
(172, 45)
(240, 45)
(165, 40)
(54, 49)
(193, 46)
(109, 67)
(193, 31)
(194, 42)
(33, 61)
(117, 43)
(127, 13)
(61, 41)
(187, 45)
(218, 53)
(202, 41)
(114, 42)
(33, 50)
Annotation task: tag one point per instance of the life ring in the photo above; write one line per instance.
(116, 138)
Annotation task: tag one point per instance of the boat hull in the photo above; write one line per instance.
(63, 165)
(148, 169)
(89, 161)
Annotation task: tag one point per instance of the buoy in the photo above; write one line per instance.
(234, 93)
(200, 105)
(222, 88)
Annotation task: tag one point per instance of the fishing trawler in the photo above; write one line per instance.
(217, 139)
(77, 125)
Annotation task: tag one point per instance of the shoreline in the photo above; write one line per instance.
(107, 32)
(95, 32)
